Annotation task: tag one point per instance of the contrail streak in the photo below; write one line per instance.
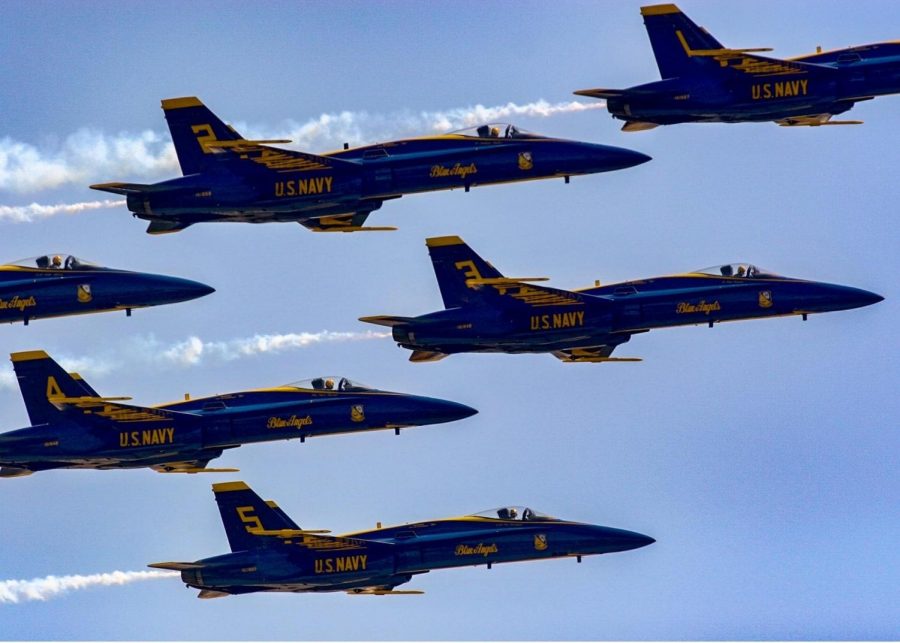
(194, 351)
(90, 156)
(35, 211)
(41, 589)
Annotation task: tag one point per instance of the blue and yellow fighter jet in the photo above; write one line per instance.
(76, 428)
(706, 82)
(270, 553)
(489, 313)
(56, 285)
(229, 178)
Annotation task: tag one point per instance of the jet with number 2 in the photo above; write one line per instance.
(57, 285)
(73, 427)
(229, 178)
(706, 82)
(270, 553)
(486, 312)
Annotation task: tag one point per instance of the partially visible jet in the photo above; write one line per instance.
(56, 285)
(229, 178)
(705, 82)
(485, 312)
(270, 553)
(74, 427)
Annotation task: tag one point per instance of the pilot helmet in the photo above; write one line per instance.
(57, 261)
(329, 383)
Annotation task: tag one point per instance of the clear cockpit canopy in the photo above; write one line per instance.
(515, 512)
(330, 383)
(495, 130)
(736, 270)
(55, 261)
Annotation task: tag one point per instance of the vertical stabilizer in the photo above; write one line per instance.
(673, 36)
(40, 379)
(244, 512)
(194, 130)
(455, 262)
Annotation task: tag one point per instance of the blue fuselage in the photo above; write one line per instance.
(845, 77)
(246, 191)
(609, 315)
(391, 556)
(201, 429)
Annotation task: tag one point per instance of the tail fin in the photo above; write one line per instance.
(454, 262)
(194, 127)
(243, 511)
(41, 378)
(674, 37)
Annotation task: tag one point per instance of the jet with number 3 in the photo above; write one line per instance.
(270, 553)
(486, 312)
(74, 427)
(229, 178)
(705, 82)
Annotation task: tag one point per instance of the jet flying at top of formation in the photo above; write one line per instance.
(705, 82)
(76, 428)
(270, 553)
(487, 312)
(55, 285)
(229, 178)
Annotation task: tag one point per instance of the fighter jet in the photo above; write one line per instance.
(705, 82)
(229, 178)
(270, 553)
(487, 312)
(73, 427)
(56, 285)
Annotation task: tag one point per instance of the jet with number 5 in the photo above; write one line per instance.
(486, 312)
(73, 427)
(57, 285)
(705, 82)
(270, 553)
(229, 178)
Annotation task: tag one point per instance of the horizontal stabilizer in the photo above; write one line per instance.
(383, 592)
(426, 356)
(600, 93)
(14, 472)
(386, 320)
(123, 188)
(165, 226)
(176, 566)
(638, 126)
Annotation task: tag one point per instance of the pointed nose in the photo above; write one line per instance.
(606, 158)
(612, 540)
(175, 289)
(828, 297)
(427, 410)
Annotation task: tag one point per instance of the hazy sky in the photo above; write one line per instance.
(762, 456)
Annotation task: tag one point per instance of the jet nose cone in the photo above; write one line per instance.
(845, 297)
(427, 410)
(175, 289)
(607, 157)
(612, 540)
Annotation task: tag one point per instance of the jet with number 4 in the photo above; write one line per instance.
(486, 312)
(57, 285)
(270, 553)
(229, 178)
(73, 427)
(705, 82)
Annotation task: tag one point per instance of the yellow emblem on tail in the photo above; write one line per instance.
(357, 413)
(84, 293)
(765, 299)
(525, 161)
(540, 542)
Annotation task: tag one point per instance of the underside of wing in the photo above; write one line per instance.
(351, 222)
(592, 354)
(188, 466)
(815, 120)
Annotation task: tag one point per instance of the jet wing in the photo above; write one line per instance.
(351, 222)
(280, 160)
(188, 466)
(531, 295)
(754, 65)
(110, 408)
(592, 354)
(315, 540)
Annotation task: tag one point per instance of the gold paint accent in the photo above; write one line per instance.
(178, 103)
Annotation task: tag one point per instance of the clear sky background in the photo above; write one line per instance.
(762, 456)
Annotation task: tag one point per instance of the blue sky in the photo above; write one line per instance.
(762, 456)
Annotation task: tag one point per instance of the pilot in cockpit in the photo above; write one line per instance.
(507, 513)
(57, 261)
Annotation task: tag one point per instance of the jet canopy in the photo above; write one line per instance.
(330, 383)
(55, 261)
(495, 130)
(736, 270)
(516, 512)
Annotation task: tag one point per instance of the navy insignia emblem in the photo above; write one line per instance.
(765, 299)
(540, 542)
(84, 293)
(525, 161)
(357, 413)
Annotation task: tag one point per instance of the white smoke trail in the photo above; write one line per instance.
(35, 211)
(90, 155)
(193, 351)
(40, 589)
